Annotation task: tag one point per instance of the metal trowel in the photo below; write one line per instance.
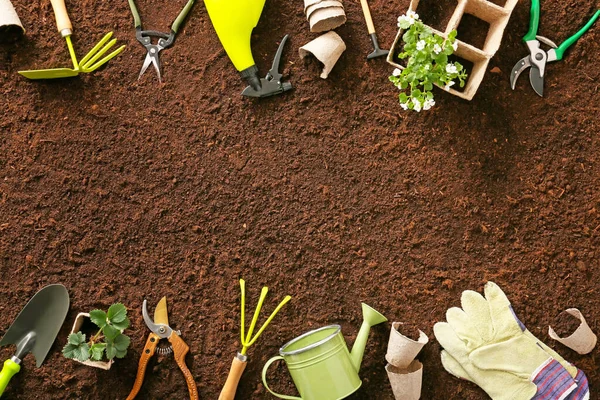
(35, 329)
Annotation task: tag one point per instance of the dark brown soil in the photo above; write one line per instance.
(409, 330)
(565, 324)
(126, 190)
(436, 14)
(472, 30)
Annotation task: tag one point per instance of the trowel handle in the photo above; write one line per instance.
(8, 371)
(63, 23)
(264, 379)
(368, 18)
(233, 379)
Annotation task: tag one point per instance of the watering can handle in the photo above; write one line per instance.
(264, 379)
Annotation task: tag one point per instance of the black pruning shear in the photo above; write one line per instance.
(165, 39)
(537, 58)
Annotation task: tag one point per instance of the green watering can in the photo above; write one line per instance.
(320, 364)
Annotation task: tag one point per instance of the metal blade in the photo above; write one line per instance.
(147, 62)
(37, 325)
(519, 67)
(537, 81)
(161, 315)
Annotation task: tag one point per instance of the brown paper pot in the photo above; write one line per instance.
(79, 320)
(9, 18)
(308, 3)
(401, 349)
(326, 19)
(583, 340)
(321, 4)
(406, 383)
(326, 48)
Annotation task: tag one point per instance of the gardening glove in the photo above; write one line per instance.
(454, 368)
(485, 344)
(501, 311)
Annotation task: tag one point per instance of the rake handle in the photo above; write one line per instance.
(367, 14)
(63, 23)
(233, 379)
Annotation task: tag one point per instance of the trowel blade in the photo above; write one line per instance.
(49, 73)
(43, 317)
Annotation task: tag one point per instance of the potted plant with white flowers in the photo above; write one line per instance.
(427, 64)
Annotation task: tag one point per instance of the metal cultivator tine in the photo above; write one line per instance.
(90, 62)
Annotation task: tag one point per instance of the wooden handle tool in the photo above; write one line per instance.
(63, 23)
(233, 379)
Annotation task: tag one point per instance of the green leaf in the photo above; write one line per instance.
(122, 325)
(122, 342)
(97, 351)
(111, 351)
(76, 338)
(110, 332)
(116, 313)
(79, 352)
(98, 317)
(403, 98)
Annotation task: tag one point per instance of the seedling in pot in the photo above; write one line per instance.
(107, 343)
(427, 64)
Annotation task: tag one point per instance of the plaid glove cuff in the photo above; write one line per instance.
(553, 382)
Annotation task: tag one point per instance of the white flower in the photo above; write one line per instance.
(417, 105)
(428, 104)
(451, 83)
(409, 18)
(404, 106)
(451, 69)
(396, 72)
(412, 14)
(421, 45)
(455, 46)
(437, 49)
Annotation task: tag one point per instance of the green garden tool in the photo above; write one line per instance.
(537, 59)
(35, 329)
(239, 362)
(91, 62)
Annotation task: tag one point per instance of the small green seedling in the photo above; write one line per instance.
(109, 342)
(427, 64)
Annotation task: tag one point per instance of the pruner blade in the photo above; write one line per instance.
(518, 69)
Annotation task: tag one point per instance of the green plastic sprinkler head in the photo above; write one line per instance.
(240, 360)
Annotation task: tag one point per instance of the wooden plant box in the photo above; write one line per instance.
(497, 17)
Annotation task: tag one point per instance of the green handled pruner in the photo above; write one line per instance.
(537, 58)
(165, 39)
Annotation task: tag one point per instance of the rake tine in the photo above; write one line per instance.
(243, 290)
(261, 300)
(285, 300)
(99, 53)
(105, 59)
(95, 48)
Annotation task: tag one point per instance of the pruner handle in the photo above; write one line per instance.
(63, 23)
(147, 354)
(560, 51)
(534, 21)
(180, 349)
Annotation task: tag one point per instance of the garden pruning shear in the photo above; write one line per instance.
(161, 330)
(165, 39)
(538, 58)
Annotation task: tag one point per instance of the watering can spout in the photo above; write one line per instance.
(371, 317)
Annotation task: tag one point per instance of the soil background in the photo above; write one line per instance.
(125, 189)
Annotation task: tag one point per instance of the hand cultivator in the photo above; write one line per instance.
(538, 58)
(239, 362)
(165, 39)
(92, 60)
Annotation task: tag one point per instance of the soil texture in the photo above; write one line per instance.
(125, 189)
(565, 324)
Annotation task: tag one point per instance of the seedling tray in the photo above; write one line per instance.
(497, 17)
